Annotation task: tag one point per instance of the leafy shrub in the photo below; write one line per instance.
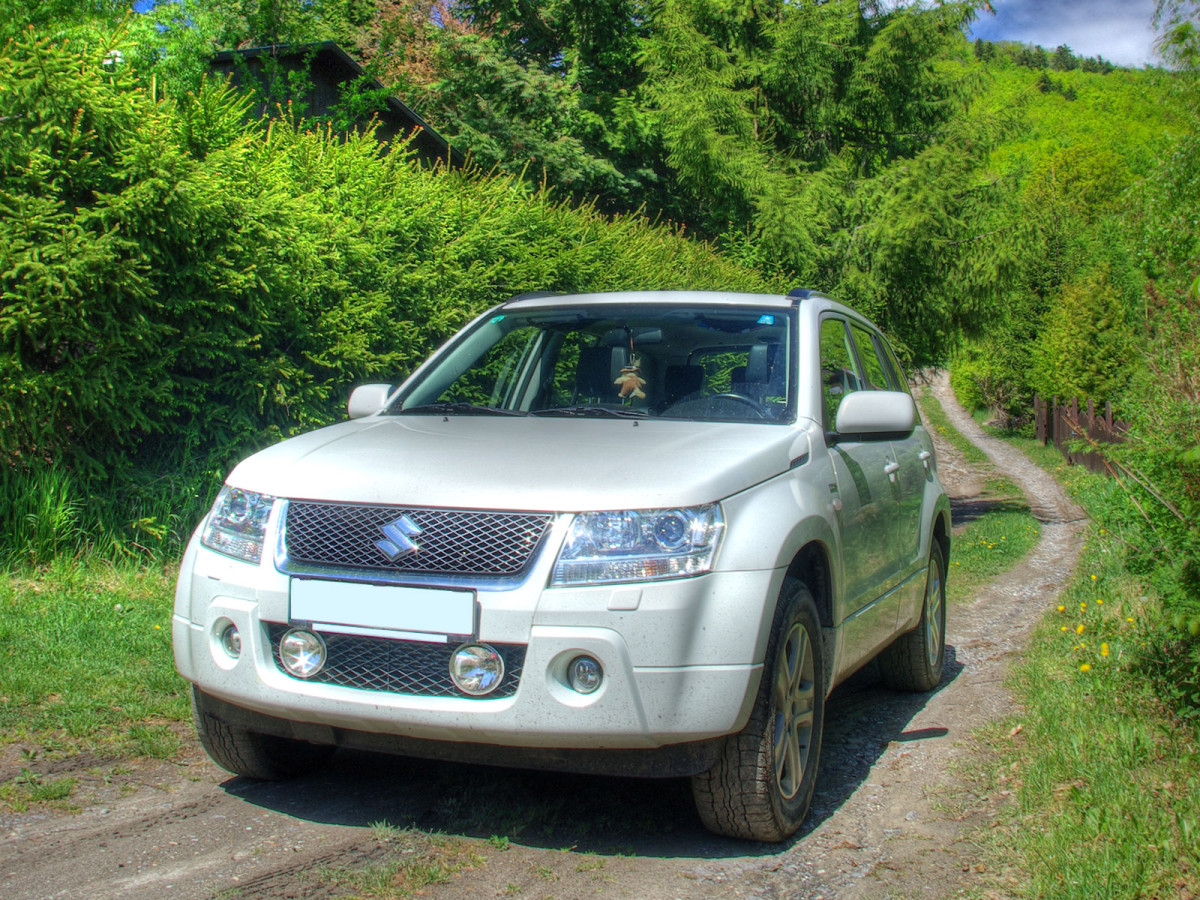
(990, 372)
(178, 289)
(1160, 463)
(1085, 347)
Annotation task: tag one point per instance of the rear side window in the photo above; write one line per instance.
(895, 370)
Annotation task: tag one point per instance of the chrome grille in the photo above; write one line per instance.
(398, 667)
(449, 542)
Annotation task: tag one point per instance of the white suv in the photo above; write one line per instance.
(633, 533)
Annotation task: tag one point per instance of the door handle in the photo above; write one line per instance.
(836, 502)
(925, 456)
(891, 469)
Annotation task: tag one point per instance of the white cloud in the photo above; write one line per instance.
(1118, 30)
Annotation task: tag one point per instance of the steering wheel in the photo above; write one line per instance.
(701, 403)
(754, 405)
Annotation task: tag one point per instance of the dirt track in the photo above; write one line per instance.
(878, 826)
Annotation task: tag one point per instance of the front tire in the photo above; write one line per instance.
(762, 785)
(913, 662)
(245, 752)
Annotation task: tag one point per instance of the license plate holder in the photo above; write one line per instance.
(353, 606)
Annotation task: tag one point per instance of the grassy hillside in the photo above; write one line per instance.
(1132, 113)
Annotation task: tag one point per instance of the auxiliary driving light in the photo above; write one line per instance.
(302, 653)
(231, 641)
(584, 674)
(476, 669)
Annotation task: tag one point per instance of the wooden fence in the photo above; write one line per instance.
(1065, 423)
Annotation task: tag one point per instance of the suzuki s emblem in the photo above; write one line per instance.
(397, 537)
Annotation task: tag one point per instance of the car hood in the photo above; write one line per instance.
(532, 463)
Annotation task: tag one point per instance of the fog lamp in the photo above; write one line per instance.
(584, 674)
(302, 653)
(476, 669)
(231, 641)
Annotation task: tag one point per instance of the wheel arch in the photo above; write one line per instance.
(812, 566)
(941, 529)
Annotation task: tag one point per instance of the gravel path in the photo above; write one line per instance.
(879, 825)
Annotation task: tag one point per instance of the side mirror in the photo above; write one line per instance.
(367, 399)
(876, 412)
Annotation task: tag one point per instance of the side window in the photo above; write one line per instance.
(895, 370)
(839, 371)
(869, 355)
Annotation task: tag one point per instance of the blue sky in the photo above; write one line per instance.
(1118, 30)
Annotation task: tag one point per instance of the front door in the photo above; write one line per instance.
(867, 498)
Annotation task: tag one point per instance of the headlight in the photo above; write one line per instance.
(639, 545)
(237, 525)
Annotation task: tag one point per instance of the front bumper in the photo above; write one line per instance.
(681, 659)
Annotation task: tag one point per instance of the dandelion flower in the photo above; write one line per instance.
(1129, 619)
(1085, 668)
(1099, 602)
(1079, 629)
(1062, 608)
(1064, 628)
(1104, 649)
(1094, 578)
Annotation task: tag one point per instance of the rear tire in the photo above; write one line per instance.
(244, 752)
(913, 662)
(762, 785)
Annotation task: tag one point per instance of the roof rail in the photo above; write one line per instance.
(534, 295)
(801, 293)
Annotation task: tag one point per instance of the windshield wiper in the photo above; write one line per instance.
(593, 412)
(449, 408)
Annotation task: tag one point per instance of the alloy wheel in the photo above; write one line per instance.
(795, 703)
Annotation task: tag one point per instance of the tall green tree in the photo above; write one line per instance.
(1086, 343)
(550, 88)
(1179, 33)
(60, 17)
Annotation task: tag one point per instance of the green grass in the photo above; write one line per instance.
(30, 789)
(416, 861)
(47, 514)
(1105, 781)
(990, 546)
(85, 651)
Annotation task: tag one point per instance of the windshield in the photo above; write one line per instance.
(699, 363)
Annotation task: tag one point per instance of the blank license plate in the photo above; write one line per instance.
(383, 606)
